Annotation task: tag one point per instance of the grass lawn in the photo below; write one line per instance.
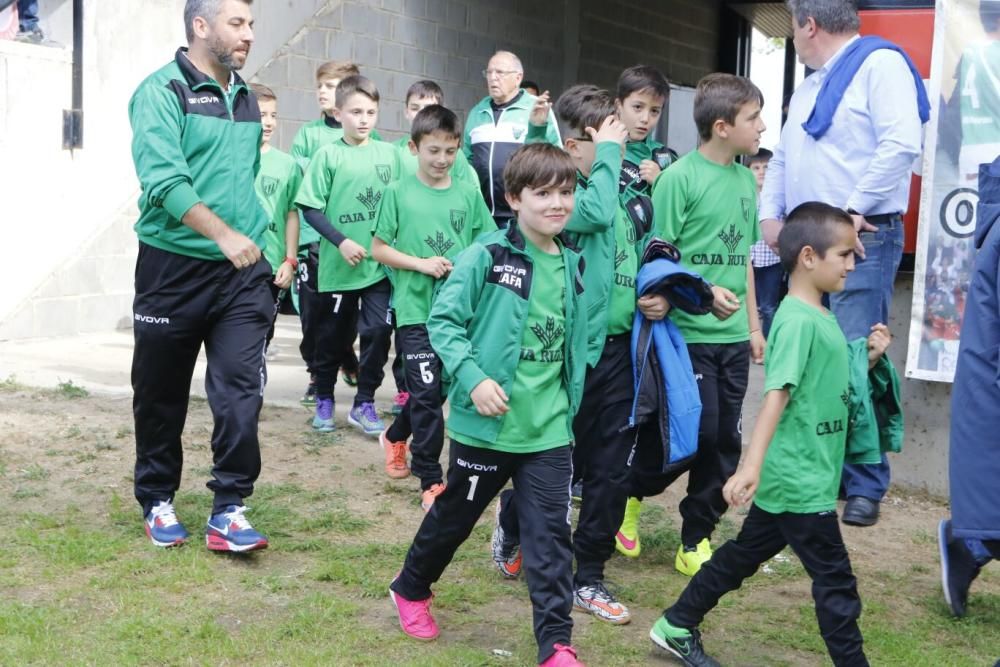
(80, 584)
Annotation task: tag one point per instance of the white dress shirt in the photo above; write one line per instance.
(863, 161)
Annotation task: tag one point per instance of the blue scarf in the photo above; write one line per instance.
(841, 75)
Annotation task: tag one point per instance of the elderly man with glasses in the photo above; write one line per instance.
(504, 120)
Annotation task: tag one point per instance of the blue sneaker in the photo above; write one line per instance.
(229, 530)
(323, 421)
(364, 417)
(162, 526)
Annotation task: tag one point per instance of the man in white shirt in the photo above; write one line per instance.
(861, 162)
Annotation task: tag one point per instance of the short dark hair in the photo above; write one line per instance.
(809, 224)
(720, 97)
(526, 83)
(762, 155)
(206, 9)
(336, 69)
(584, 105)
(537, 166)
(262, 92)
(435, 118)
(424, 88)
(989, 15)
(355, 84)
(638, 78)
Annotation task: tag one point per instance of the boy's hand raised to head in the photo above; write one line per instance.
(540, 111)
(489, 399)
(725, 303)
(352, 252)
(611, 129)
(878, 342)
(435, 267)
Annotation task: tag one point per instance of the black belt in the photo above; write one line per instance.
(883, 218)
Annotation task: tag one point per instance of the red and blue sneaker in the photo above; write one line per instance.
(162, 526)
(229, 530)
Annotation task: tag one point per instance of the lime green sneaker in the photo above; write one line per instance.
(690, 559)
(682, 643)
(627, 537)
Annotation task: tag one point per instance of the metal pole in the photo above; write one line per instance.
(73, 118)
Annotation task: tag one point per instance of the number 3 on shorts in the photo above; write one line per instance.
(425, 372)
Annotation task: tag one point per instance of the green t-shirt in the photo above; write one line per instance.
(426, 222)
(709, 211)
(621, 300)
(310, 138)
(346, 182)
(460, 171)
(539, 403)
(276, 184)
(807, 354)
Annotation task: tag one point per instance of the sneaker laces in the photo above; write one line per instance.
(164, 511)
(368, 412)
(600, 592)
(398, 454)
(237, 517)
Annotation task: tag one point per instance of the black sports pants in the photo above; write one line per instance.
(422, 415)
(475, 476)
(369, 308)
(722, 371)
(180, 303)
(310, 316)
(816, 540)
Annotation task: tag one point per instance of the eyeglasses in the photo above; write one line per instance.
(489, 73)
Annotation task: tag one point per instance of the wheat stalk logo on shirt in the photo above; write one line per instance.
(384, 172)
(548, 334)
(731, 238)
(845, 397)
(440, 244)
(620, 258)
(370, 199)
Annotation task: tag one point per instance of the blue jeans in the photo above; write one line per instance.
(866, 300)
(27, 15)
(768, 283)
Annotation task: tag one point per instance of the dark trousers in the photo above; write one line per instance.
(369, 309)
(770, 284)
(816, 540)
(422, 415)
(277, 294)
(180, 303)
(475, 476)
(600, 461)
(27, 15)
(310, 312)
(722, 371)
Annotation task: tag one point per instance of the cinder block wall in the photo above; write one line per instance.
(397, 42)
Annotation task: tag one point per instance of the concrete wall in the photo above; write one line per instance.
(397, 42)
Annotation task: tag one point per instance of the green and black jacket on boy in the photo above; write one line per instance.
(191, 143)
(610, 245)
(478, 320)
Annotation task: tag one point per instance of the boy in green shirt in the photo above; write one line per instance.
(339, 197)
(419, 96)
(642, 93)
(509, 328)
(425, 220)
(706, 205)
(308, 140)
(276, 184)
(792, 468)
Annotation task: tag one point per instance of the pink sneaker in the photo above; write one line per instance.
(565, 656)
(415, 617)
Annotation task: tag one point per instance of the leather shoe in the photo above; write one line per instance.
(860, 511)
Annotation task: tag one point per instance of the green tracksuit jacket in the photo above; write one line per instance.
(477, 322)
(192, 143)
